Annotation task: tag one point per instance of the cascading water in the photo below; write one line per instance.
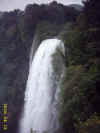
(40, 110)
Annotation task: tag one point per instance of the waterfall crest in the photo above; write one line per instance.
(40, 113)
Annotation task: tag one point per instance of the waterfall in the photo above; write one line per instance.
(41, 96)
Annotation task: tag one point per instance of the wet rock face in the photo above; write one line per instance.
(13, 75)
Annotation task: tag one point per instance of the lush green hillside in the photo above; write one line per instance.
(80, 89)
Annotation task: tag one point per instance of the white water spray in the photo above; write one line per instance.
(40, 111)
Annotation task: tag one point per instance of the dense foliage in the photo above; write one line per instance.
(80, 90)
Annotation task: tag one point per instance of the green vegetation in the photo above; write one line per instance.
(80, 89)
(91, 125)
(47, 30)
